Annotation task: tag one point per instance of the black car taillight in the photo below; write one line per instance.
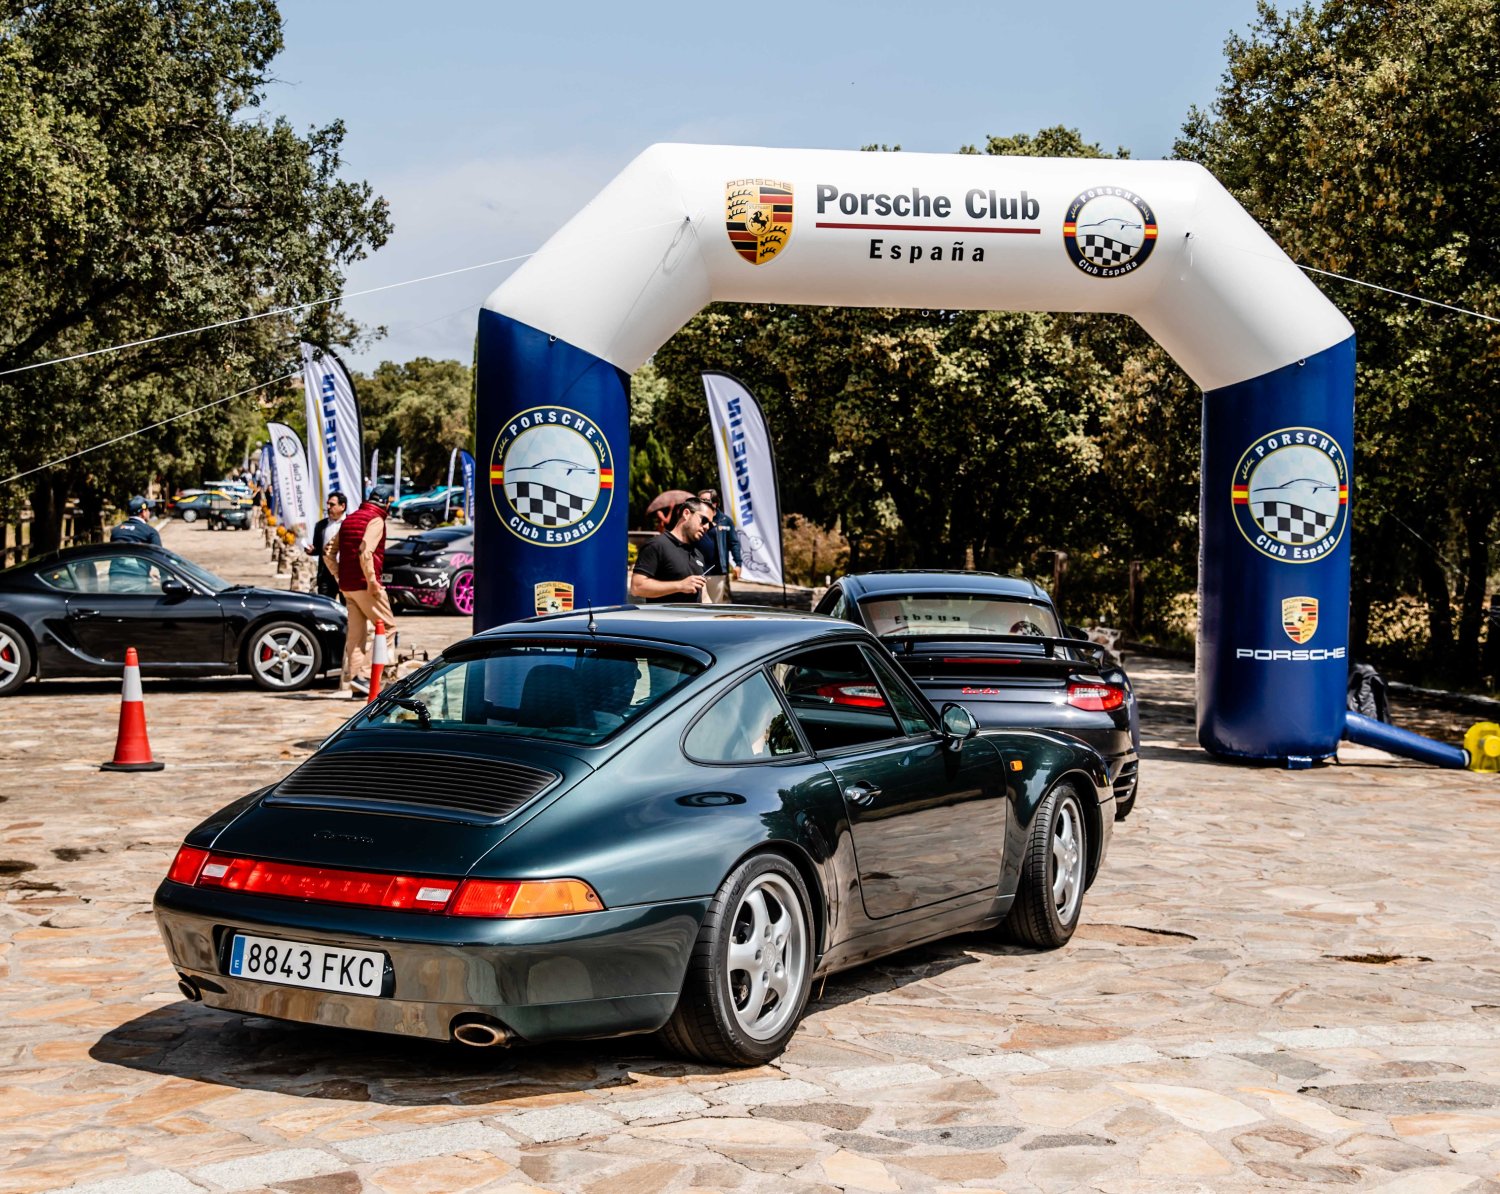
(1094, 697)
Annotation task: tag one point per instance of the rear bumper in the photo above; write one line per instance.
(602, 974)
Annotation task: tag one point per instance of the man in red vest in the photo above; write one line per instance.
(356, 556)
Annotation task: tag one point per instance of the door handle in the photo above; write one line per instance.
(861, 793)
(75, 615)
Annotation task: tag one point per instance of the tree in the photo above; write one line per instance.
(139, 195)
(422, 406)
(1362, 134)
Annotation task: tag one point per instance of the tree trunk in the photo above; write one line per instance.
(1476, 576)
(49, 503)
(1439, 608)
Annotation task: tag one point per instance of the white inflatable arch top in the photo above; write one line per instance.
(1162, 242)
(651, 250)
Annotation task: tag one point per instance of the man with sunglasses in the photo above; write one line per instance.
(720, 549)
(669, 568)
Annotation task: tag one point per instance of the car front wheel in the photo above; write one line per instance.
(190, 516)
(751, 968)
(1053, 873)
(283, 657)
(15, 661)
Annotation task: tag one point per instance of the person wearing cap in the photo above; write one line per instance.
(137, 528)
(356, 555)
(720, 550)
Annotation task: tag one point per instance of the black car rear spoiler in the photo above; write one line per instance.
(1062, 654)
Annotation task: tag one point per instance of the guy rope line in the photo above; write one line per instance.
(209, 327)
(152, 427)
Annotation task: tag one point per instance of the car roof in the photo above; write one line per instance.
(938, 580)
(732, 633)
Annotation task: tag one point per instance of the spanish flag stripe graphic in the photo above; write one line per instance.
(1241, 495)
(1151, 232)
(606, 478)
(1343, 494)
(1070, 229)
(496, 474)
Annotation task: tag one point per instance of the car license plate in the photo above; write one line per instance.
(385, 578)
(295, 964)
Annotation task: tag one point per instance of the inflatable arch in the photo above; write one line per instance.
(1162, 242)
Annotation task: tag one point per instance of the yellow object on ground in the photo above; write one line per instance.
(1482, 741)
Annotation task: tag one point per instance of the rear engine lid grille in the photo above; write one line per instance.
(453, 787)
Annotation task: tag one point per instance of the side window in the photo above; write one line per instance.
(833, 603)
(914, 718)
(129, 574)
(835, 697)
(747, 723)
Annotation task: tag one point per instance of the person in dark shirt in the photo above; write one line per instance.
(137, 528)
(325, 530)
(669, 567)
(720, 548)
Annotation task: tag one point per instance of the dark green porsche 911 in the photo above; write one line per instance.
(664, 820)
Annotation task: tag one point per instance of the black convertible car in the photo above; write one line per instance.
(997, 644)
(661, 820)
(73, 613)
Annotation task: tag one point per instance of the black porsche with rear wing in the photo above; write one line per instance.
(996, 644)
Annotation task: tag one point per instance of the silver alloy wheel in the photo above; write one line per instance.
(10, 658)
(1067, 858)
(282, 656)
(768, 957)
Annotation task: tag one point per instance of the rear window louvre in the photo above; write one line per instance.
(457, 787)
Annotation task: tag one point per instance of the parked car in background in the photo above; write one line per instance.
(432, 570)
(429, 509)
(629, 821)
(191, 505)
(997, 644)
(73, 613)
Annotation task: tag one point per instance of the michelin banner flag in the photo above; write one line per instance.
(291, 482)
(467, 461)
(747, 475)
(333, 428)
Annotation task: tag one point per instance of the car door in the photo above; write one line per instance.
(928, 822)
(125, 600)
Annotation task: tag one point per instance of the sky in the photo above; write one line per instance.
(487, 125)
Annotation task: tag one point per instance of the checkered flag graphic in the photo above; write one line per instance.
(545, 505)
(1292, 523)
(1105, 250)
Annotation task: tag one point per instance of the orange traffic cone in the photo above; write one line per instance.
(380, 655)
(132, 750)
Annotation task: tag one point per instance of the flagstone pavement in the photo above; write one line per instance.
(1283, 981)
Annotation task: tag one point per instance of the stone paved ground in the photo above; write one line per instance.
(1284, 981)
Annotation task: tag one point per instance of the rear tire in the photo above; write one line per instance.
(15, 660)
(1053, 872)
(190, 516)
(751, 968)
(426, 520)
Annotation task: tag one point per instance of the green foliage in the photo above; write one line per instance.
(1362, 134)
(141, 194)
(424, 406)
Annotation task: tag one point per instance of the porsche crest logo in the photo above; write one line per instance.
(1299, 618)
(553, 597)
(758, 217)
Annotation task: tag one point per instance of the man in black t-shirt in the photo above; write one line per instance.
(669, 567)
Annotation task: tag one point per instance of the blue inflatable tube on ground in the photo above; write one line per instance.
(551, 450)
(1369, 732)
(1274, 575)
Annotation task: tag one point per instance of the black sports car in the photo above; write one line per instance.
(73, 613)
(433, 570)
(996, 643)
(659, 820)
(430, 509)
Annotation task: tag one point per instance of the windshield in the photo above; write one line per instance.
(200, 575)
(937, 614)
(565, 692)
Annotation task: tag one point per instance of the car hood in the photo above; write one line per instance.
(390, 802)
(255, 600)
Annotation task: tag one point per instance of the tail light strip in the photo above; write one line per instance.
(499, 898)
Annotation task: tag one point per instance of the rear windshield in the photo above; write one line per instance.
(957, 613)
(566, 693)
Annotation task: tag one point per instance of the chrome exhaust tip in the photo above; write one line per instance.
(190, 990)
(481, 1034)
